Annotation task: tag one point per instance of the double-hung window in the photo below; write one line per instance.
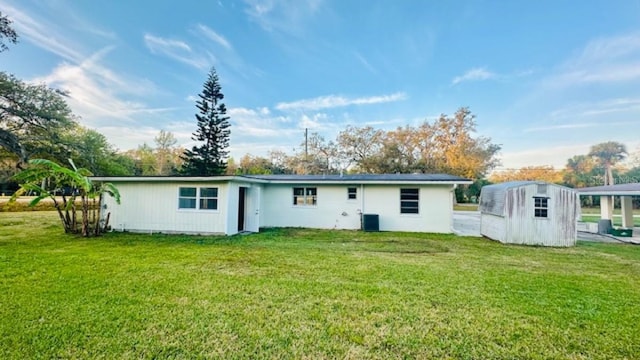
(305, 196)
(409, 201)
(352, 193)
(540, 207)
(198, 198)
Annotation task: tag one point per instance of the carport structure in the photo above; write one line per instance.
(607, 194)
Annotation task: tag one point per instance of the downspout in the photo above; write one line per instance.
(361, 206)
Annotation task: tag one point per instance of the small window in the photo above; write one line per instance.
(187, 198)
(209, 198)
(352, 193)
(409, 201)
(305, 196)
(204, 198)
(541, 207)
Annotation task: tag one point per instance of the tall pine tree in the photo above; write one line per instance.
(209, 157)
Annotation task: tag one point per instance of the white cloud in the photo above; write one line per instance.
(258, 123)
(475, 74)
(95, 92)
(177, 50)
(603, 60)
(365, 63)
(42, 34)
(333, 101)
(209, 33)
(608, 106)
(285, 16)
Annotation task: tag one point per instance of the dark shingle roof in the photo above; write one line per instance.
(362, 178)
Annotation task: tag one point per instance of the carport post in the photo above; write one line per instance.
(627, 212)
(606, 207)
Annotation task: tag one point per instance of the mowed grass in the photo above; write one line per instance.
(310, 294)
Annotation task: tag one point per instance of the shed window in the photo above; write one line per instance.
(305, 196)
(204, 198)
(352, 193)
(541, 206)
(409, 201)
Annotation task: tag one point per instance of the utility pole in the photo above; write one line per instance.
(306, 151)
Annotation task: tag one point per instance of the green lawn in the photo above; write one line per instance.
(302, 294)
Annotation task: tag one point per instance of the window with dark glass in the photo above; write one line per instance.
(187, 198)
(305, 196)
(540, 207)
(209, 198)
(409, 201)
(204, 198)
(352, 193)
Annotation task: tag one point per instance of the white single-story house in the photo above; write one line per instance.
(233, 204)
(529, 213)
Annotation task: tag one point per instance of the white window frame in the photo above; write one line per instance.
(309, 196)
(540, 206)
(350, 193)
(199, 198)
(403, 209)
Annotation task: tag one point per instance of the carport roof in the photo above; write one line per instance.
(632, 189)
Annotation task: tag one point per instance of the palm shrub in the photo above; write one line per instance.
(71, 191)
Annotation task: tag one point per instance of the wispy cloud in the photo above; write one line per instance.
(365, 63)
(603, 60)
(212, 35)
(597, 108)
(333, 101)
(260, 124)
(42, 34)
(95, 91)
(475, 74)
(177, 50)
(285, 16)
(579, 126)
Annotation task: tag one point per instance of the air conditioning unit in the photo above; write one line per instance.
(370, 222)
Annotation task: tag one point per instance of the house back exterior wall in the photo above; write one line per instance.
(332, 211)
(153, 207)
(335, 211)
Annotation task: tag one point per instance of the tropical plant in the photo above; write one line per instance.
(70, 190)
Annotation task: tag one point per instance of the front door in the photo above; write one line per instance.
(241, 207)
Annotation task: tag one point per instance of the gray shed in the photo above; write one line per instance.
(529, 213)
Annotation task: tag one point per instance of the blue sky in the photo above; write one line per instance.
(546, 79)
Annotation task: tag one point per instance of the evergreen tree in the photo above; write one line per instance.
(209, 157)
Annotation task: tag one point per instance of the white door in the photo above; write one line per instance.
(253, 209)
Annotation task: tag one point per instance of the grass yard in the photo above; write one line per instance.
(302, 294)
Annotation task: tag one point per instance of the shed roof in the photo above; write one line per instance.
(614, 190)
